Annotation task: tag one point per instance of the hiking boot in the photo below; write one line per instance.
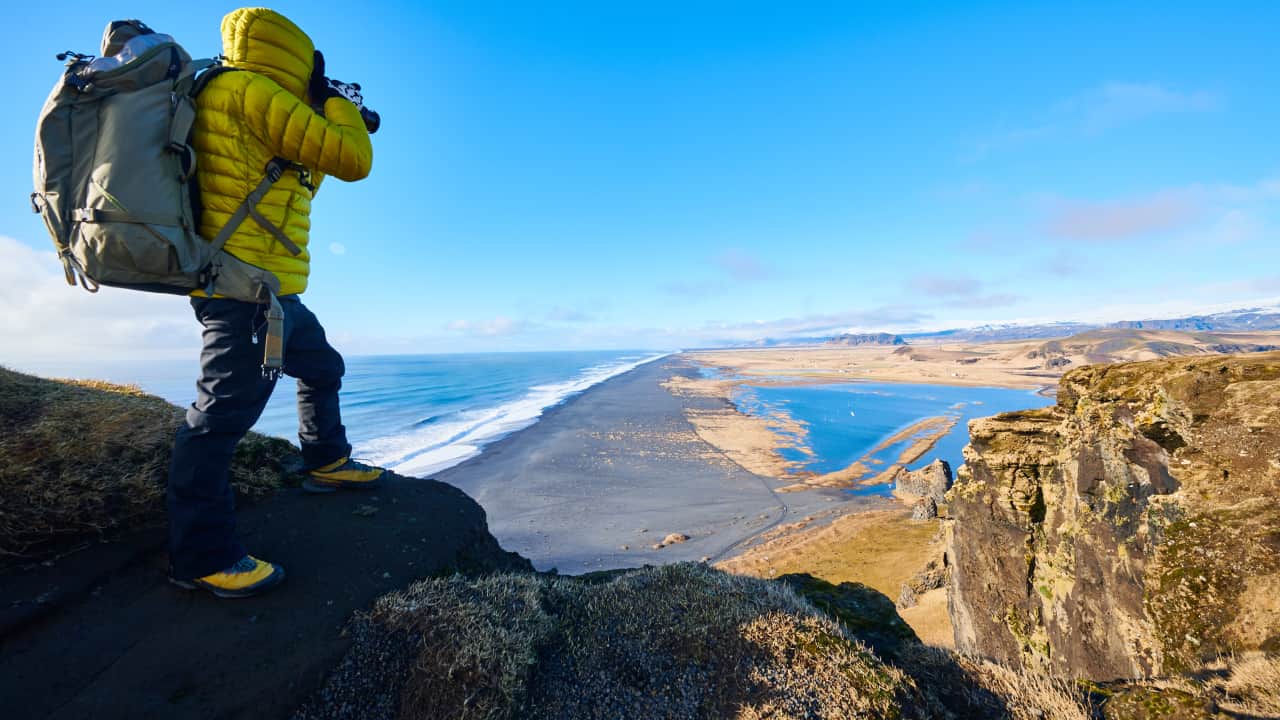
(249, 576)
(345, 473)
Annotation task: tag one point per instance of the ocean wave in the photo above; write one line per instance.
(440, 442)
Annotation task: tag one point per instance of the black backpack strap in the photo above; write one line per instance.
(205, 77)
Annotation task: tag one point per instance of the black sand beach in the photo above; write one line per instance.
(620, 466)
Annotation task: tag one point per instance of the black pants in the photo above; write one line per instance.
(231, 394)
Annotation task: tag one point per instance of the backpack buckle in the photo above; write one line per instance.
(275, 169)
(304, 179)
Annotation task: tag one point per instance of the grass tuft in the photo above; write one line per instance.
(680, 641)
(85, 459)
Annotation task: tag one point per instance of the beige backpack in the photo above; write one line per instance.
(115, 177)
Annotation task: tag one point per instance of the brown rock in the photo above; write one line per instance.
(1128, 531)
(932, 480)
(932, 577)
(925, 509)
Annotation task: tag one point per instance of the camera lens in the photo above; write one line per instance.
(372, 121)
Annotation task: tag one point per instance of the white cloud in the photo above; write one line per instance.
(1236, 226)
(1064, 263)
(736, 268)
(1123, 219)
(694, 290)
(742, 266)
(500, 326)
(1216, 213)
(1252, 287)
(993, 300)
(45, 322)
(1116, 104)
(945, 285)
(561, 314)
(899, 317)
(337, 248)
(1097, 110)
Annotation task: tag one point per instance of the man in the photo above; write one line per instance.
(268, 106)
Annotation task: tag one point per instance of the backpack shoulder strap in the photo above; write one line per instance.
(190, 80)
(186, 79)
(205, 74)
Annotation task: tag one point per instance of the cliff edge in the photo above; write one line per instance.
(1132, 529)
(89, 626)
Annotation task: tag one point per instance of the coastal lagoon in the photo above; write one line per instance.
(843, 422)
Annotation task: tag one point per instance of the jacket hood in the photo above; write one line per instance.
(264, 41)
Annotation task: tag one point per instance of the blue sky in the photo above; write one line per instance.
(597, 175)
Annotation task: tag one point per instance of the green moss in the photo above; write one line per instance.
(1147, 703)
(1116, 493)
(1192, 593)
(868, 614)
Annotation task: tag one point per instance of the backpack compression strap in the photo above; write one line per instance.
(249, 208)
(184, 112)
(202, 73)
(273, 344)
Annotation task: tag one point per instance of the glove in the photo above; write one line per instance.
(318, 86)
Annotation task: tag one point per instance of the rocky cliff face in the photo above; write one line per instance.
(931, 481)
(1132, 529)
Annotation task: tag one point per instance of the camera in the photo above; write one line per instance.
(351, 91)
(322, 86)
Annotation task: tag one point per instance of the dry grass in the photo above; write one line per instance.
(1252, 685)
(686, 641)
(1244, 686)
(86, 458)
(680, 641)
(1241, 687)
(930, 620)
(479, 643)
(879, 548)
(1030, 694)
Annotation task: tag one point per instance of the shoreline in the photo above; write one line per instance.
(658, 465)
(600, 480)
(430, 459)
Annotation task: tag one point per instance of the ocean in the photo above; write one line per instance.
(419, 414)
(846, 420)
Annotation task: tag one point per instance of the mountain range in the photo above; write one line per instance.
(1238, 320)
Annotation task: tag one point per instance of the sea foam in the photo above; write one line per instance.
(448, 440)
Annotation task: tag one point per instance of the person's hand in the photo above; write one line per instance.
(318, 87)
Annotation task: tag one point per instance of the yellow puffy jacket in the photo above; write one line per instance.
(246, 118)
